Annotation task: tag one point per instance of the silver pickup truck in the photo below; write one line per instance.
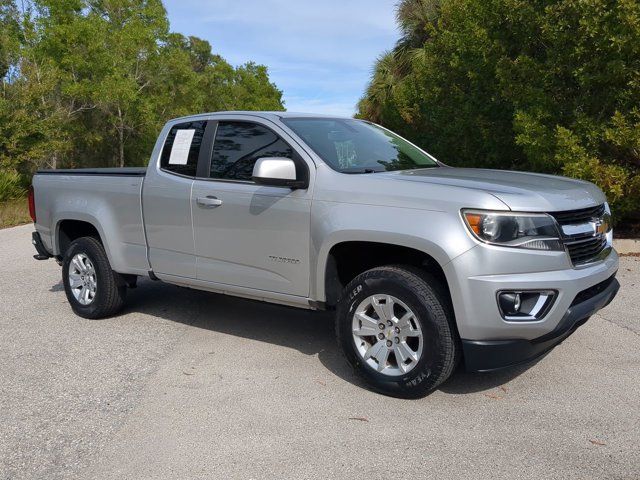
(426, 265)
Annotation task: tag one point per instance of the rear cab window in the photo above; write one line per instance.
(182, 148)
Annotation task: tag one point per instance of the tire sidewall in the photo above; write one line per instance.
(419, 379)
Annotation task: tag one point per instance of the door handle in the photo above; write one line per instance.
(208, 202)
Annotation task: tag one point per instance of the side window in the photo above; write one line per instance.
(182, 147)
(239, 144)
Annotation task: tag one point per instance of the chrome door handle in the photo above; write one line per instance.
(208, 202)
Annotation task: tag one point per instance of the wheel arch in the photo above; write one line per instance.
(71, 228)
(344, 258)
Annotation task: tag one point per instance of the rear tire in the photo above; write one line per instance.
(396, 328)
(93, 289)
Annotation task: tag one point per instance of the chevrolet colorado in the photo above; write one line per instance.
(425, 265)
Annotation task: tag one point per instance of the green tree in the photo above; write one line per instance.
(131, 30)
(10, 36)
(90, 83)
(543, 85)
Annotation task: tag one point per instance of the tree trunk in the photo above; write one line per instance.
(121, 146)
(120, 140)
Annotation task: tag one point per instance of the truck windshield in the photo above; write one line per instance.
(355, 146)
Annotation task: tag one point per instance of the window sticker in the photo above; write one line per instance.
(181, 145)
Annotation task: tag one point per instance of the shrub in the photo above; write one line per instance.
(620, 184)
(11, 185)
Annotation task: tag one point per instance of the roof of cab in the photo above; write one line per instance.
(264, 114)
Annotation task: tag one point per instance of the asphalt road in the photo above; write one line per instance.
(192, 385)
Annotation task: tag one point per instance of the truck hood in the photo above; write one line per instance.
(520, 191)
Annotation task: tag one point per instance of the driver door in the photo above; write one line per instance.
(248, 235)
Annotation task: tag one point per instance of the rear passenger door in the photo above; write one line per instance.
(166, 198)
(245, 234)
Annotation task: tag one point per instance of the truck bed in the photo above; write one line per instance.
(111, 172)
(106, 198)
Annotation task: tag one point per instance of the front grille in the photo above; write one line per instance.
(585, 247)
(574, 217)
(585, 250)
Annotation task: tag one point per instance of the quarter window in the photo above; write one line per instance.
(239, 144)
(182, 147)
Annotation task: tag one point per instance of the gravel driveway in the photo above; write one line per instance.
(192, 385)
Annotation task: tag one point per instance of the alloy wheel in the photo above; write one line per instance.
(387, 335)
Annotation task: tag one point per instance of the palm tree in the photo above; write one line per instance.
(380, 89)
(417, 21)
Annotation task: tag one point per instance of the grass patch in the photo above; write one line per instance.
(14, 212)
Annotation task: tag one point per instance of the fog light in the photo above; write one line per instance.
(525, 306)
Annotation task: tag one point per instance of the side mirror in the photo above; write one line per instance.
(277, 172)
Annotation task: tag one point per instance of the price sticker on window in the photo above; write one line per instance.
(181, 146)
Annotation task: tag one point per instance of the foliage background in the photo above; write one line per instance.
(540, 85)
(91, 82)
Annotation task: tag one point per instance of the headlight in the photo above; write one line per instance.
(535, 231)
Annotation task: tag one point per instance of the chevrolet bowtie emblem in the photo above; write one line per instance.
(600, 226)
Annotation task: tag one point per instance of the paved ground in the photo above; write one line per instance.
(190, 385)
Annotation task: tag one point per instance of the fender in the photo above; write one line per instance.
(82, 217)
(437, 234)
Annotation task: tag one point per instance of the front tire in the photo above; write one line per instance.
(93, 289)
(395, 327)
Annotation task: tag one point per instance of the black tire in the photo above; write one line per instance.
(111, 290)
(427, 299)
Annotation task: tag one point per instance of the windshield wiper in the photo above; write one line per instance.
(362, 170)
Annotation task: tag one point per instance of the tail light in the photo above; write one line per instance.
(32, 204)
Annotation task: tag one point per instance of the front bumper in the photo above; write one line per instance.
(490, 355)
(491, 342)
